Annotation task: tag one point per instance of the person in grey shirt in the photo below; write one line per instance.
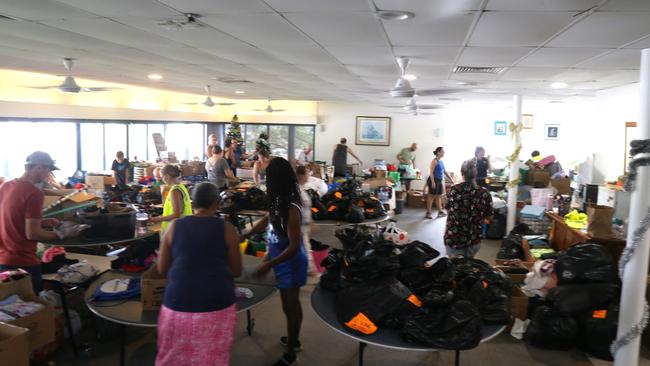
(218, 168)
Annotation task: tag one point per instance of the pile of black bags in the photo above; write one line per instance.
(235, 200)
(346, 203)
(582, 310)
(434, 302)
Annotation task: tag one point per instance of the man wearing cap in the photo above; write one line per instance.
(21, 222)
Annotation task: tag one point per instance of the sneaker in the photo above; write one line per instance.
(285, 340)
(441, 214)
(286, 360)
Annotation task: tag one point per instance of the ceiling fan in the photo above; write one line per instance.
(269, 108)
(70, 85)
(416, 113)
(403, 88)
(411, 105)
(208, 102)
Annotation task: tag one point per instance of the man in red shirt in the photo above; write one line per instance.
(21, 222)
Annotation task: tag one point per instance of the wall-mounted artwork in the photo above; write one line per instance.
(527, 120)
(373, 131)
(500, 127)
(552, 132)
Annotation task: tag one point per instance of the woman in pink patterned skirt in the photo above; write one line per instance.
(200, 254)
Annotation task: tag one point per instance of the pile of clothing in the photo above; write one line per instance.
(13, 307)
(235, 200)
(432, 301)
(576, 298)
(346, 202)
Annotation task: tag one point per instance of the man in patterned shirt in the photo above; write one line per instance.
(468, 206)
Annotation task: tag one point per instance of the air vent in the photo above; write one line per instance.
(478, 70)
(5, 18)
(228, 80)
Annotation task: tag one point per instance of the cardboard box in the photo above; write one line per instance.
(516, 278)
(539, 178)
(75, 200)
(415, 199)
(378, 182)
(528, 262)
(563, 185)
(199, 167)
(41, 323)
(379, 174)
(99, 181)
(149, 170)
(152, 284)
(186, 170)
(14, 345)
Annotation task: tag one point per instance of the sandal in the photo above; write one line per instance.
(441, 214)
(286, 360)
(284, 340)
(428, 216)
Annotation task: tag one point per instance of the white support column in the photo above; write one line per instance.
(514, 172)
(634, 280)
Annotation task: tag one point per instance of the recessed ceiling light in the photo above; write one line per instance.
(394, 15)
(559, 85)
(410, 77)
(462, 83)
(154, 77)
(239, 92)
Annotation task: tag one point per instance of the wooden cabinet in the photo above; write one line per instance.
(562, 237)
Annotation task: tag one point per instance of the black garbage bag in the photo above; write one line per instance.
(574, 299)
(331, 279)
(457, 327)
(421, 280)
(511, 247)
(438, 296)
(229, 202)
(370, 301)
(337, 208)
(137, 252)
(372, 206)
(130, 195)
(551, 330)
(355, 214)
(149, 197)
(585, 263)
(522, 229)
(318, 211)
(372, 261)
(253, 199)
(476, 268)
(598, 330)
(416, 254)
(352, 236)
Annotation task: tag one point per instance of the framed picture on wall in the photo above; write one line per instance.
(527, 120)
(552, 132)
(373, 131)
(500, 128)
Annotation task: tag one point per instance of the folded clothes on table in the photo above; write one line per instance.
(13, 307)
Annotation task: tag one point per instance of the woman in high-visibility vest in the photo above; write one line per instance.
(178, 203)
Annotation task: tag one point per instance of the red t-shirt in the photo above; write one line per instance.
(19, 200)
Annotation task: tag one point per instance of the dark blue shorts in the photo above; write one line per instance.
(292, 273)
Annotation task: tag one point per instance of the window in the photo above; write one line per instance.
(279, 140)
(19, 139)
(151, 129)
(137, 141)
(252, 134)
(186, 140)
(304, 136)
(114, 141)
(92, 147)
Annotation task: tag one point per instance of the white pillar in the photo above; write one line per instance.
(514, 172)
(634, 279)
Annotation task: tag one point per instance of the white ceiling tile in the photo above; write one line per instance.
(116, 8)
(492, 56)
(258, 29)
(205, 7)
(373, 70)
(644, 43)
(428, 55)
(53, 51)
(185, 55)
(362, 54)
(305, 54)
(560, 57)
(501, 29)
(428, 71)
(41, 10)
(620, 59)
(605, 30)
(580, 75)
(530, 73)
(325, 69)
(626, 5)
(278, 69)
(439, 8)
(47, 34)
(474, 77)
(108, 30)
(430, 30)
(340, 28)
(244, 54)
(137, 56)
(537, 5)
(312, 6)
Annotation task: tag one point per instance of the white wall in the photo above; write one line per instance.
(586, 127)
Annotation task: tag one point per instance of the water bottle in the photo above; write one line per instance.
(141, 219)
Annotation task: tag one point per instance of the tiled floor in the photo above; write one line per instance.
(323, 346)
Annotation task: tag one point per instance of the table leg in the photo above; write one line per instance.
(66, 316)
(250, 323)
(122, 344)
(457, 361)
(362, 346)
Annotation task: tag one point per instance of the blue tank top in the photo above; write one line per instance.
(439, 171)
(199, 278)
(278, 241)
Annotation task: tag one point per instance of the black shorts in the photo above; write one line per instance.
(437, 190)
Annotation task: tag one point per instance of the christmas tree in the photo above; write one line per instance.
(234, 131)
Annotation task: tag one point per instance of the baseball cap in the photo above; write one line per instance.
(41, 158)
